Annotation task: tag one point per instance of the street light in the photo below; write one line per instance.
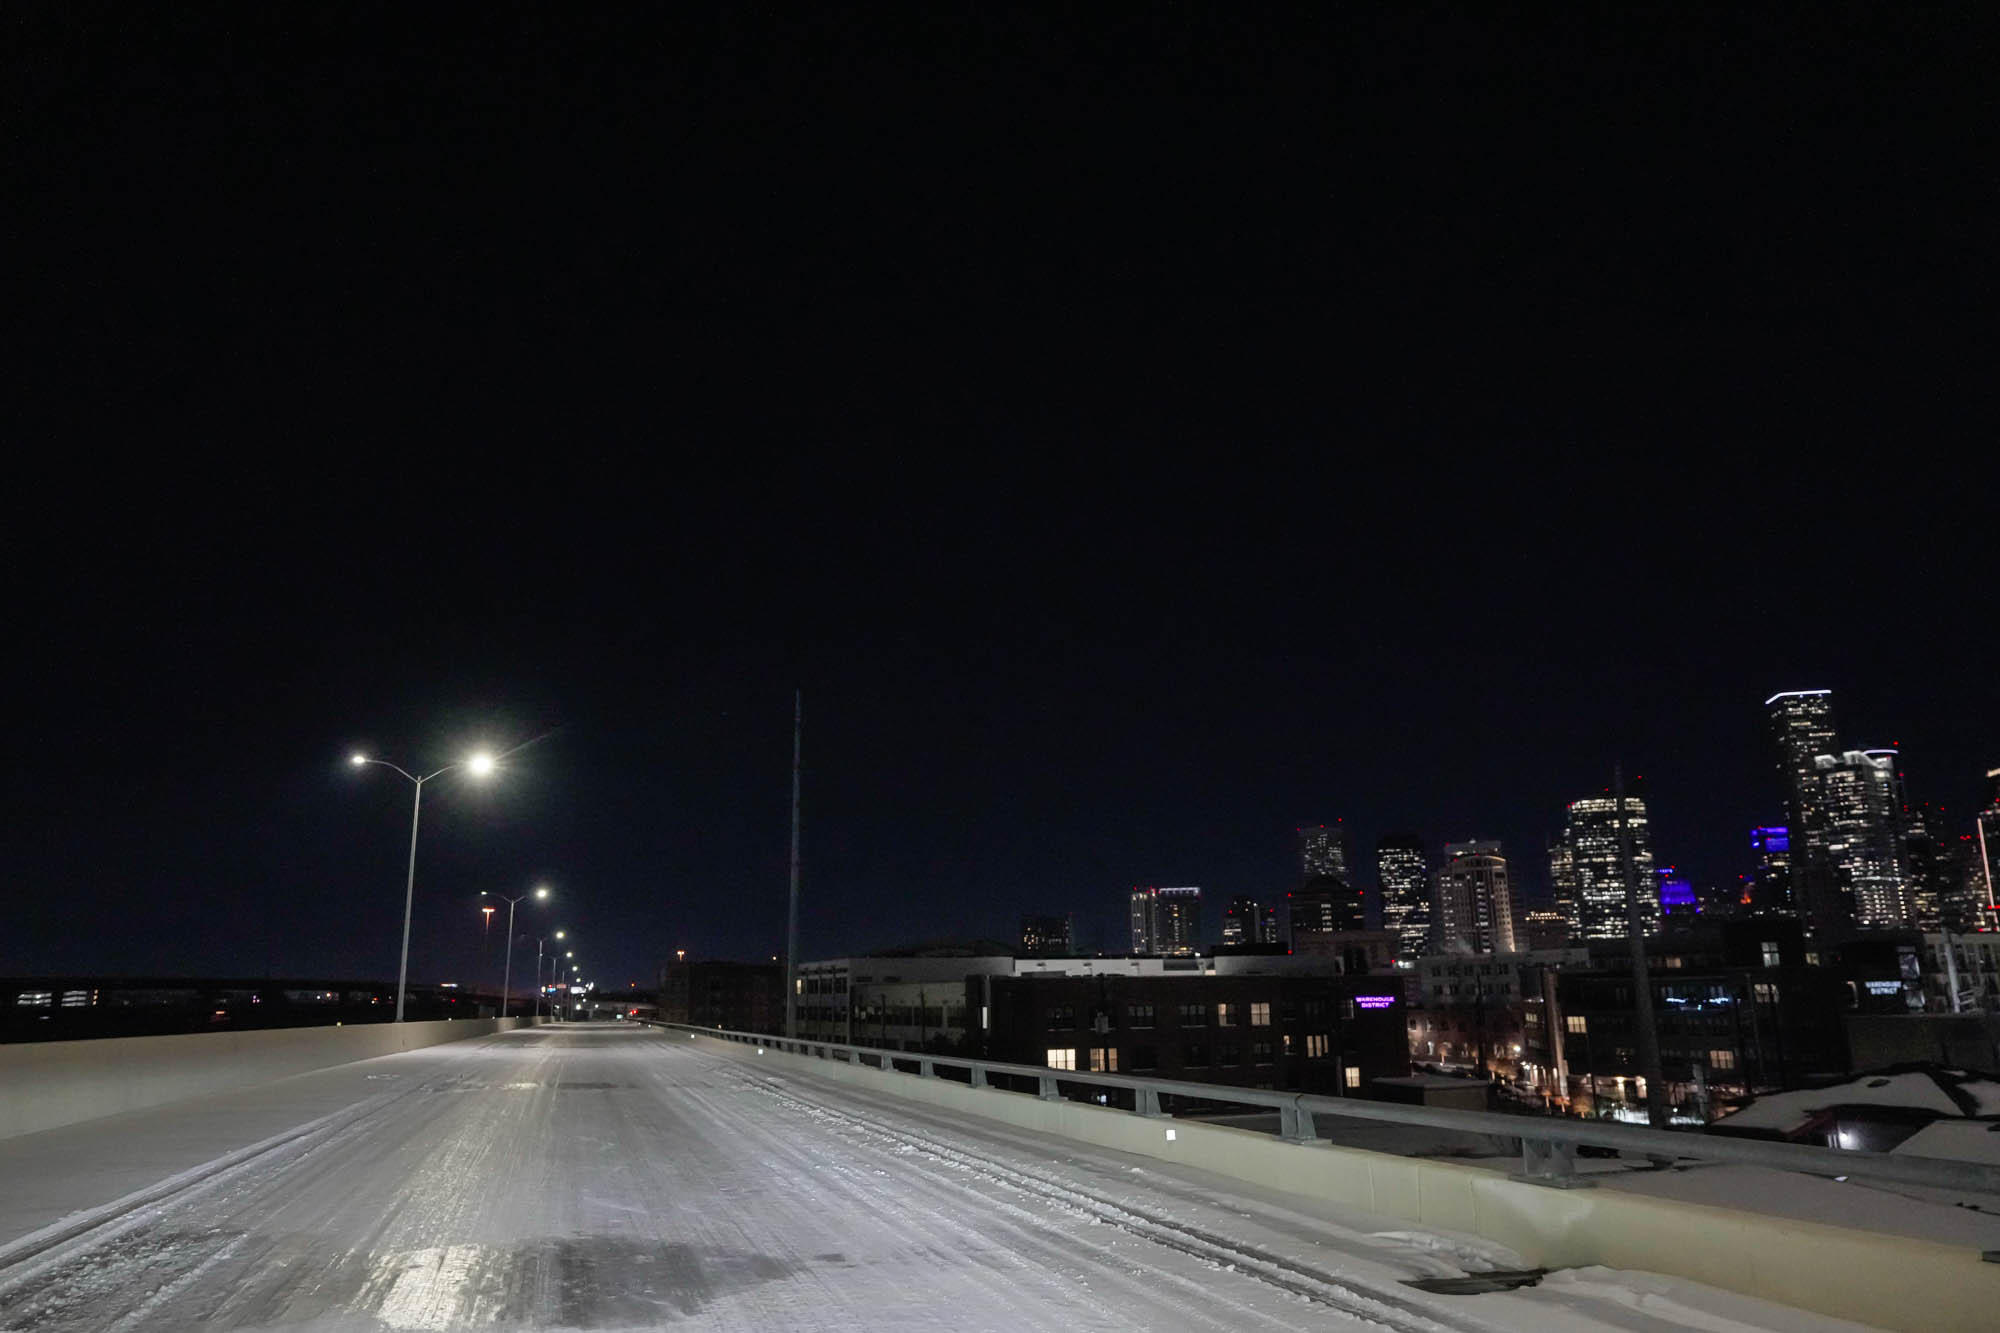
(507, 986)
(539, 939)
(479, 764)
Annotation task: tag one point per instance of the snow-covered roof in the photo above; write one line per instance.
(1946, 1092)
(1956, 1140)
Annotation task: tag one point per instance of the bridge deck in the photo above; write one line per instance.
(601, 1177)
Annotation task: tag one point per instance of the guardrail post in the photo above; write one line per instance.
(1546, 1162)
(979, 1076)
(1050, 1092)
(1295, 1124)
(1146, 1102)
(924, 1069)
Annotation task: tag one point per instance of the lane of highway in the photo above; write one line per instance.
(608, 1177)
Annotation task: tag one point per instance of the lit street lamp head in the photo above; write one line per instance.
(481, 764)
(358, 760)
(542, 892)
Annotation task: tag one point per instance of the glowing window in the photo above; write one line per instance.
(1063, 1058)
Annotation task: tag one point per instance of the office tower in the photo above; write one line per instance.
(1403, 871)
(1861, 832)
(1597, 864)
(1474, 904)
(1678, 905)
(1767, 890)
(1323, 850)
(1177, 932)
(1924, 863)
(1542, 928)
(1569, 897)
(1047, 936)
(1323, 904)
(1269, 932)
(1242, 922)
(1801, 727)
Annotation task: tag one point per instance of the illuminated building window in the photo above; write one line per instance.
(1062, 1058)
(1770, 953)
(1353, 1076)
(1765, 992)
(1577, 1023)
(1260, 1015)
(1225, 1012)
(1722, 1059)
(1104, 1059)
(1315, 1045)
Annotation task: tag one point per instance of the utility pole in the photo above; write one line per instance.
(792, 929)
(1642, 985)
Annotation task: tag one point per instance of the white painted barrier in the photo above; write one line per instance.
(1888, 1281)
(51, 1083)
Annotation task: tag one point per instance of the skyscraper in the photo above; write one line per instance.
(1323, 904)
(1862, 835)
(1768, 889)
(1242, 922)
(1403, 871)
(1143, 920)
(1047, 936)
(1323, 850)
(1569, 897)
(1801, 726)
(1987, 825)
(1597, 865)
(1178, 932)
(1474, 906)
(1166, 921)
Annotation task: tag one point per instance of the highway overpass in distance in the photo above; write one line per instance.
(612, 1176)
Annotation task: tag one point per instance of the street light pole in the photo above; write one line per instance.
(507, 985)
(480, 765)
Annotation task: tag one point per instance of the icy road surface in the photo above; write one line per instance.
(613, 1177)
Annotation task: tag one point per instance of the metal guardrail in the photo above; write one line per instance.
(1548, 1144)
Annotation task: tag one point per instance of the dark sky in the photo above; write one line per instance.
(1138, 431)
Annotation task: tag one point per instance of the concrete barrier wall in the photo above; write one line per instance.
(1888, 1281)
(47, 1084)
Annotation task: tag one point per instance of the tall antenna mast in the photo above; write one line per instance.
(792, 929)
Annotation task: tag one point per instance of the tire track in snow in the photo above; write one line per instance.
(1381, 1309)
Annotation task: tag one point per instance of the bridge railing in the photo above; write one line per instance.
(1548, 1144)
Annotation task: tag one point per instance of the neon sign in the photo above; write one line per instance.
(1374, 1001)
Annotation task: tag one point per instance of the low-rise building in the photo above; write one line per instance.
(1740, 1008)
(1314, 1033)
(740, 997)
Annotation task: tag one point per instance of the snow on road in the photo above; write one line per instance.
(615, 1178)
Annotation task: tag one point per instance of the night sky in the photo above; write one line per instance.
(1138, 431)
